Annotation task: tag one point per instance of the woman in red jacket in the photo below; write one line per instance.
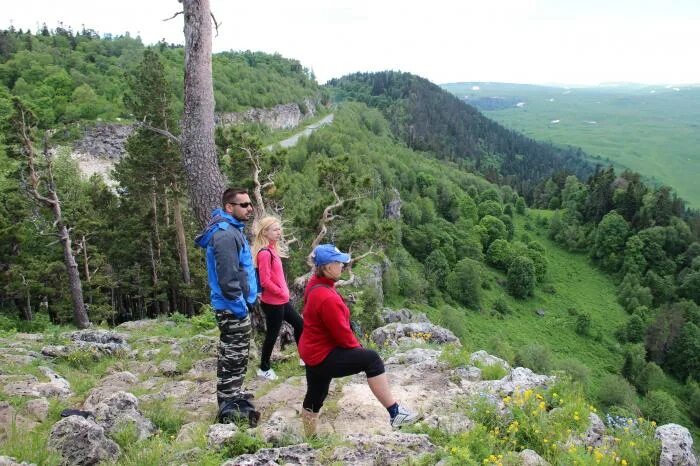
(329, 347)
(268, 251)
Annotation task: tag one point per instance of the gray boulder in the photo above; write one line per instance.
(10, 461)
(113, 383)
(403, 316)
(302, 455)
(392, 448)
(468, 374)
(283, 427)
(81, 441)
(393, 334)
(218, 434)
(483, 358)
(522, 378)
(531, 458)
(415, 356)
(102, 341)
(676, 446)
(119, 410)
(596, 430)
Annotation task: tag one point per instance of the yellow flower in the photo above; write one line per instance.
(653, 423)
(545, 440)
(623, 462)
(576, 418)
(542, 405)
(555, 395)
(632, 444)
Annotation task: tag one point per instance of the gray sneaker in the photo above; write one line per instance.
(404, 418)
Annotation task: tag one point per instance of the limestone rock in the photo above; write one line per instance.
(391, 334)
(169, 368)
(450, 422)
(415, 356)
(302, 455)
(29, 385)
(283, 116)
(521, 378)
(392, 448)
(8, 417)
(531, 458)
(203, 369)
(38, 409)
(55, 351)
(468, 374)
(119, 381)
(187, 432)
(485, 359)
(9, 461)
(596, 430)
(283, 427)
(81, 441)
(103, 341)
(119, 410)
(676, 446)
(218, 434)
(142, 324)
(402, 316)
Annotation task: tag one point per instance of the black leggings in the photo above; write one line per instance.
(274, 315)
(339, 363)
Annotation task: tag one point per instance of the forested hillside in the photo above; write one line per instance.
(430, 119)
(401, 171)
(68, 76)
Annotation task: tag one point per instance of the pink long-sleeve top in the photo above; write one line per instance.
(275, 290)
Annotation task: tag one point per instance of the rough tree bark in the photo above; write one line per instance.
(204, 179)
(52, 201)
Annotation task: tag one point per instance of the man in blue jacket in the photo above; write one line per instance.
(233, 291)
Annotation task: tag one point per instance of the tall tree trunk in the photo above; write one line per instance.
(23, 121)
(182, 251)
(204, 179)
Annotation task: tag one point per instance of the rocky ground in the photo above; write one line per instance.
(151, 362)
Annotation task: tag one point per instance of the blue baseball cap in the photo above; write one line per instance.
(327, 253)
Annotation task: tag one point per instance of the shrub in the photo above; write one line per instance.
(501, 306)
(535, 357)
(497, 346)
(583, 324)
(651, 378)
(577, 370)
(492, 371)
(464, 283)
(521, 277)
(242, 443)
(615, 391)
(660, 407)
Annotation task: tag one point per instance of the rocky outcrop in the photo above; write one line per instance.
(283, 116)
(108, 386)
(104, 139)
(676, 446)
(10, 461)
(482, 358)
(531, 458)
(392, 448)
(29, 385)
(403, 316)
(394, 335)
(81, 441)
(302, 455)
(218, 434)
(120, 410)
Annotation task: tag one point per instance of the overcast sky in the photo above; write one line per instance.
(524, 41)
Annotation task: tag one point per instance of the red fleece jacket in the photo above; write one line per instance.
(275, 290)
(326, 322)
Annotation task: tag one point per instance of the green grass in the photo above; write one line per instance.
(655, 134)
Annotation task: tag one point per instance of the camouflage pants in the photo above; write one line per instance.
(232, 363)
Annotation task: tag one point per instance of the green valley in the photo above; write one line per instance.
(654, 130)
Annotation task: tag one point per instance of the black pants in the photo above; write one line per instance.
(339, 363)
(274, 315)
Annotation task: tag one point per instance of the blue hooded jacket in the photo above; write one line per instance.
(229, 264)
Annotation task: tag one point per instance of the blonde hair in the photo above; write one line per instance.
(260, 241)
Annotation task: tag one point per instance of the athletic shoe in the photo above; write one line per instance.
(268, 374)
(404, 417)
(301, 362)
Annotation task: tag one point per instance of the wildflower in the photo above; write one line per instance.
(653, 424)
(539, 397)
(554, 395)
(542, 405)
(623, 462)
(576, 418)
(632, 444)
(545, 440)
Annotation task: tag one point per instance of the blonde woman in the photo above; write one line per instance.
(268, 251)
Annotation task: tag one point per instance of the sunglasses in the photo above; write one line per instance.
(245, 205)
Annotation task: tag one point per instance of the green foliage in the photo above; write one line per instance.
(242, 443)
(575, 369)
(164, 415)
(501, 306)
(521, 277)
(534, 356)
(464, 283)
(615, 391)
(583, 324)
(659, 406)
